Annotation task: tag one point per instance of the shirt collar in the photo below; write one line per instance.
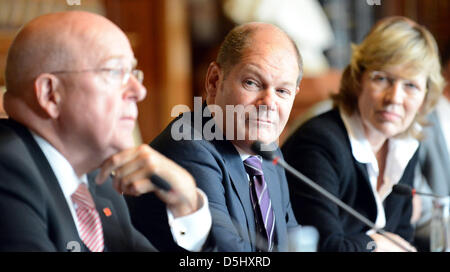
(64, 172)
(400, 149)
(244, 155)
(361, 149)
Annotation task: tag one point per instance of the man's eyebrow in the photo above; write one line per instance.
(119, 58)
(255, 69)
(251, 68)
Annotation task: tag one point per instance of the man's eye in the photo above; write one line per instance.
(250, 82)
(284, 92)
(115, 72)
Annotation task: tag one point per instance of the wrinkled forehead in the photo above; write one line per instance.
(275, 52)
(276, 60)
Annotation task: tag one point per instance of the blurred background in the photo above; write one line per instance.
(175, 40)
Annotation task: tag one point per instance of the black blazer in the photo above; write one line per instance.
(35, 215)
(321, 150)
(219, 172)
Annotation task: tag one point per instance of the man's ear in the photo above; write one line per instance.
(212, 81)
(47, 88)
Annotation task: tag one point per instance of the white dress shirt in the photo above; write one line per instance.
(400, 152)
(186, 230)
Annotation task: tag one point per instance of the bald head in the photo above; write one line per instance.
(59, 86)
(245, 36)
(55, 42)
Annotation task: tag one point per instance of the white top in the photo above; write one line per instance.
(400, 152)
(186, 230)
(443, 113)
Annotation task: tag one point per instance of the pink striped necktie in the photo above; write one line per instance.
(91, 231)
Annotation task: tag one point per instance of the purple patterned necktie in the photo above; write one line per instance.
(259, 195)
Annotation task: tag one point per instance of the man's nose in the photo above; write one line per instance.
(268, 98)
(135, 89)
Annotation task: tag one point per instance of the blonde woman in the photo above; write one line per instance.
(369, 141)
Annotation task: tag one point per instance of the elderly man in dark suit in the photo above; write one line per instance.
(256, 76)
(72, 90)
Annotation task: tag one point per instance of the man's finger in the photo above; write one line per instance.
(139, 187)
(115, 161)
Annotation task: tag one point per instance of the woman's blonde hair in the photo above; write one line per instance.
(391, 42)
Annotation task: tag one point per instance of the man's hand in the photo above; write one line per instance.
(132, 169)
(385, 245)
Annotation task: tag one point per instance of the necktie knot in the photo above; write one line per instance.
(82, 197)
(253, 166)
(90, 226)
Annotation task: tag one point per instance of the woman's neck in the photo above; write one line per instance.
(381, 156)
(375, 138)
(379, 145)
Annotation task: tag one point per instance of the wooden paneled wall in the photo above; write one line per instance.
(434, 14)
(159, 33)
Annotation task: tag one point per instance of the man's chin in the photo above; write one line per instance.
(262, 135)
(267, 144)
(267, 138)
(119, 147)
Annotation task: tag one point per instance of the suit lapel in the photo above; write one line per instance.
(239, 182)
(361, 169)
(371, 203)
(238, 177)
(64, 215)
(108, 215)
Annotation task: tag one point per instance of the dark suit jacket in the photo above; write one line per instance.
(35, 215)
(321, 150)
(219, 172)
